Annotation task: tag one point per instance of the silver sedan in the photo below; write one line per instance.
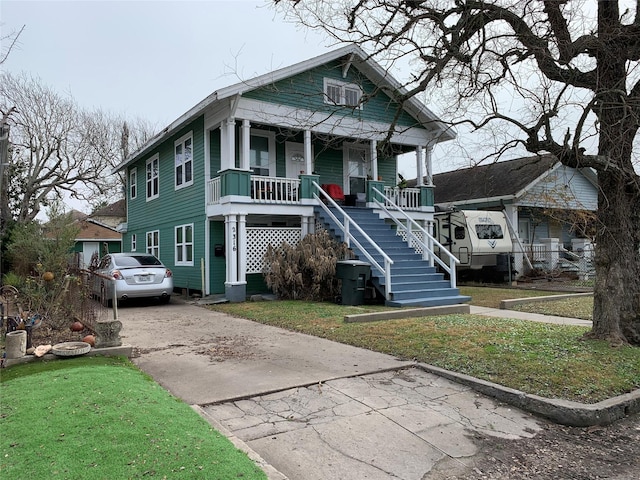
(132, 275)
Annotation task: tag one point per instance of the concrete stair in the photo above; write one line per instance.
(413, 281)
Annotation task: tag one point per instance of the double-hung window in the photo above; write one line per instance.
(184, 245)
(153, 177)
(134, 242)
(183, 150)
(153, 243)
(342, 93)
(133, 183)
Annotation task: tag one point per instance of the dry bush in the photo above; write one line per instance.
(306, 271)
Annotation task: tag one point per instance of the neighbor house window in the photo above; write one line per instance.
(153, 178)
(184, 245)
(133, 183)
(341, 93)
(153, 243)
(184, 161)
(133, 242)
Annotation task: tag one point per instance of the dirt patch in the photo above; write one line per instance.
(559, 452)
(218, 348)
(223, 348)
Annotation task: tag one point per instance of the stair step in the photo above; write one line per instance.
(415, 280)
(428, 302)
(424, 293)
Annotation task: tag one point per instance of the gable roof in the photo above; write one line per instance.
(496, 180)
(93, 231)
(116, 209)
(352, 54)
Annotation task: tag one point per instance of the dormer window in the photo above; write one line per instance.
(341, 93)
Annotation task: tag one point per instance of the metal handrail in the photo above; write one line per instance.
(386, 270)
(427, 247)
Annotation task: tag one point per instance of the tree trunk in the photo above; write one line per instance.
(616, 308)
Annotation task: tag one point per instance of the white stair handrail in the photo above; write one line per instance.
(426, 246)
(345, 227)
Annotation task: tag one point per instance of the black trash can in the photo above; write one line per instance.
(354, 275)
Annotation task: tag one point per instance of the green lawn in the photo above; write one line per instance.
(100, 417)
(543, 359)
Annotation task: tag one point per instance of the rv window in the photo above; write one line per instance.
(489, 232)
(459, 233)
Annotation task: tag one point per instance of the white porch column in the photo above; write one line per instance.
(245, 158)
(419, 166)
(231, 248)
(307, 226)
(242, 248)
(235, 287)
(228, 146)
(308, 161)
(374, 160)
(429, 165)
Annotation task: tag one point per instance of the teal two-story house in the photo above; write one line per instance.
(255, 163)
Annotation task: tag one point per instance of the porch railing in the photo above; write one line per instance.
(407, 198)
(263, 190)
(275, 189)
(213, 191)
(426, 241)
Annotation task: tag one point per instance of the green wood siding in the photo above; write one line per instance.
(172, 207)
(217, 270)
(214, 145)
(329, 164)
(306, 90)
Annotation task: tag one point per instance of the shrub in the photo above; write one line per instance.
(306, 271)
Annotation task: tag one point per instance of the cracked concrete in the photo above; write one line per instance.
(306, 408)
(398, 424)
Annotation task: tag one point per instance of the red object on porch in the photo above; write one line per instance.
(334, 191)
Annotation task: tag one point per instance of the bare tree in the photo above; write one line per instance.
(111, 138)
(552, 76)
(51, 153)
(59, 150)
(9, 42)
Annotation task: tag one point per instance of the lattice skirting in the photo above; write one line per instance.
(259, 238)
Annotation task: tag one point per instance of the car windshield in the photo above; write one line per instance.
(136, 261)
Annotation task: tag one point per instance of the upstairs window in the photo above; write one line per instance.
(184, 161)
(133, 183)
(153, 178)
(342, 93)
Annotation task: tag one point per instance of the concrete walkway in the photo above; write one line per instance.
(308, 408)
(532, 317)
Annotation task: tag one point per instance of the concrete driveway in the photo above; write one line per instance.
(311, 408)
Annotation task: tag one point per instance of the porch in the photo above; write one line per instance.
(241, 186)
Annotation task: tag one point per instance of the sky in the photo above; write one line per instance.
(154, 59)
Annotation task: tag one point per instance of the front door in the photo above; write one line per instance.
(294, 153)
(357, 167)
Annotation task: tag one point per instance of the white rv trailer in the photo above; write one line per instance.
(480, 239)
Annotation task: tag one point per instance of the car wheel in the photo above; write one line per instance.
(165, 300)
